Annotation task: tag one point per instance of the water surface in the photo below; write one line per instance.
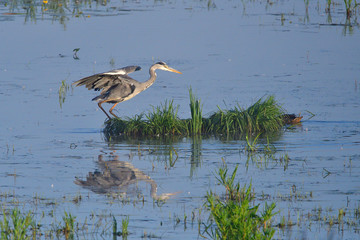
(230, 53)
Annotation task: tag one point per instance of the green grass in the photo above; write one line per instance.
(69, 225)
(163, 120)
(235, 216)
(124, 228)
(196, 121)
(16, 225)
(262, 117)
(63, 89)
(350, 6)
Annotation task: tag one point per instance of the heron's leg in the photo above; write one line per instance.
(112, 109)
(99, 104)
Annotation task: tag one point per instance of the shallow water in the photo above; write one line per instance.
(229, 53)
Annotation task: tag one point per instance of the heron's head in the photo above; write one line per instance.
(165, 67)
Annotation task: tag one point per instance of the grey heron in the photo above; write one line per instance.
(116, 86)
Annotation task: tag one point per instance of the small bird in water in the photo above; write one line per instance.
(116, 86)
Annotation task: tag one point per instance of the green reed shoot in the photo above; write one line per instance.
(114, 227)
(124, 226)
(251, 145)
(69, 225)
(18, 227)
(233, 191)
(64, 87)
(350, 7)
(235, 217)
(196, 114)
(328, 6)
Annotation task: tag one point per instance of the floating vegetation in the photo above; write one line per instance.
(266, 115)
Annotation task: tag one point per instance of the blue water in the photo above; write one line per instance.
(230, 53)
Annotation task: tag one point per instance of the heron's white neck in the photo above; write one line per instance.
(152, 78)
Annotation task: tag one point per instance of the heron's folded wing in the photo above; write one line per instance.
(118, 91)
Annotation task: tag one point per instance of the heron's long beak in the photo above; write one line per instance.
(173, 70)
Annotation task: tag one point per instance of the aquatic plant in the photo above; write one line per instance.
(114, 227)
(124, 228)
(18, 227)
(263, 116)
(163, 120)
(69, 225)
(75, 56)
(251, 145)
(196, 114)
(64, 87)
(350, 7)
(235, 217)
(328, 6)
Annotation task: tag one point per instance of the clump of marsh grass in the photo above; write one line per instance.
(163, 120)
(124, 227)
(235, 217)
(130, 126)
(263, 116)
(18, 227)
(69, 226)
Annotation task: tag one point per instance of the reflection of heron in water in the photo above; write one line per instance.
(117, 175)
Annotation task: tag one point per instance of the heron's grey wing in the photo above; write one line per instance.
(106, 80)
(97, 81)
(124, 70)
(118, 92)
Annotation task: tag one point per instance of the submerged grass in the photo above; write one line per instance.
(266, 115)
